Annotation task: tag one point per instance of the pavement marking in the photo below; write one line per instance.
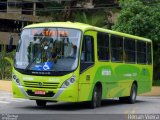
(13, 100)
(7, 98)
(20, 99)
(4, 102)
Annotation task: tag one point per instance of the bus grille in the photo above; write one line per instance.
(49, 85)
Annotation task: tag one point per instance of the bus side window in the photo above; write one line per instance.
(129, 50)
(103, 46)
(141, 52)
(117, 48)
(87, 54)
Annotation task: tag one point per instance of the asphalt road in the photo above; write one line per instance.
(144, 105)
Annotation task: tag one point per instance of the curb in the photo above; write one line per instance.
(6, 85)
(155, 92)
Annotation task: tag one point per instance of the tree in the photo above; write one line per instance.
(6, 64)
(99, 18)
(141, 19)
(90, 19)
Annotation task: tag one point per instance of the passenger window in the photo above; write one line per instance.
(149, 53)
(117, 48)
(141, 52)
(103, 46)
(129, 50)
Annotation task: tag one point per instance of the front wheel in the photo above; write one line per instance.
(41, 103)
(96, 97)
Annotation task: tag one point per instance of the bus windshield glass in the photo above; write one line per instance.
(48, 49)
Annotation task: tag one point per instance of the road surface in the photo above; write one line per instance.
(144, 105)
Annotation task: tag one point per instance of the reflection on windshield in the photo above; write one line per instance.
(48, 49)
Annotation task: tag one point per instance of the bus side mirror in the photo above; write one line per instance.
(10, 47)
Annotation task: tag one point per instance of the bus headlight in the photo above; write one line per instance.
(68, 82)
(16, 80)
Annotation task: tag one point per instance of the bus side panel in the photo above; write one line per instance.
(145, 79)
(128, 73)
(117, 79)
(84, 91)
(114, 84)
(106, 75)
(114, 81)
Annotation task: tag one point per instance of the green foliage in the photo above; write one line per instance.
(90, 19)
(142, 19)
(64, 12)
(99, 18)
(6, 62)
(156, 83)
(139, 19)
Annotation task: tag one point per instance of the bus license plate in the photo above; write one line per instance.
(39, 92)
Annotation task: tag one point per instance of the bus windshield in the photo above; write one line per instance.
(48, 49)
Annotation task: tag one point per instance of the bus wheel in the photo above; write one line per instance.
(133, 94)
(96, 97)
(41, 103)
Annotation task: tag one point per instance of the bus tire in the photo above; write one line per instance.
(41, 103)
(133, 94)
(96, 97)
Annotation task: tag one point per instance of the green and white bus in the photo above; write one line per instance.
(75, 62)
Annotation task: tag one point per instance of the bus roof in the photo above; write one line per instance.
(84, 27)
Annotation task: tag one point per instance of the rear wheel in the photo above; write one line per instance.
(41, 103)
(96, 97)
(133, 94)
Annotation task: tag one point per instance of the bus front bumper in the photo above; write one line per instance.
(60, 94)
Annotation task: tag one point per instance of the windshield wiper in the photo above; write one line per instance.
(31, 63)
